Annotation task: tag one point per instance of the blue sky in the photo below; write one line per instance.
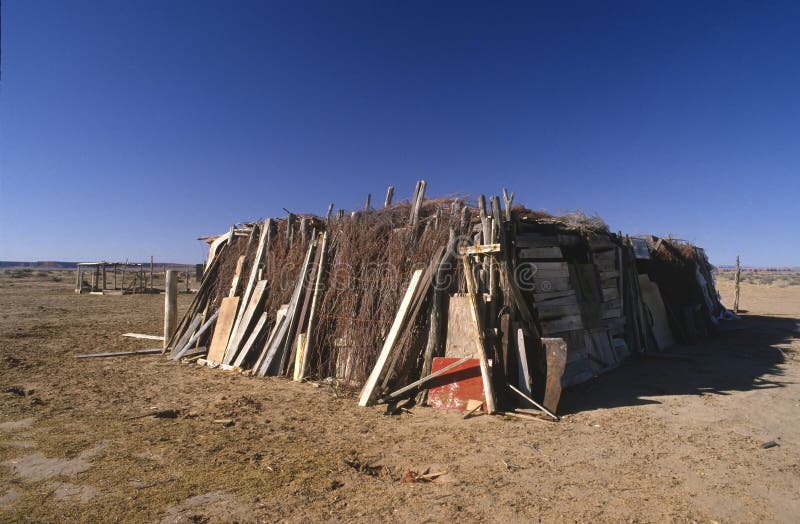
(129, 128)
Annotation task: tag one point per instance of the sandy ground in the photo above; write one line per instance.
(674, 439)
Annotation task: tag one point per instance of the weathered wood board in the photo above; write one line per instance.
(556, 358)
(227, 314)
(533, 240)
(651, 297)
(460, 341)
(570, 323)
(550, 312)
(539, 253)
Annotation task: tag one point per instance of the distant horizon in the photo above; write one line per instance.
(130, 128)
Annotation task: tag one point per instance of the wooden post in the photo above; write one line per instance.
(330, 212)
(737, 278)
(389, 195)
(104, 277)
(416, 205)
(367, 203)
(151, 272)
(115, 276)
(508, 200)
(79, 281)
(170, 305)
(480, 343)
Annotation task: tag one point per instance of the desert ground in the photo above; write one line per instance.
(670, 438)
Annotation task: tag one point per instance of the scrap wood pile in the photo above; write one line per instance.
(450, 303)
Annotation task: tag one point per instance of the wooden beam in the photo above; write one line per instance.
(245, 320)
(227, 313)
(536, 404)
(423, 380)
(248, 345)
(368, 391)
(478, 334)
(481, 249)
(299, 374)
(140, 335)
(556, 358)
(190, 328)
(524, 373)
(239, 333)
(150, 351)
(186, 347)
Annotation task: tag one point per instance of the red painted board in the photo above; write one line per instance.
(454, 388)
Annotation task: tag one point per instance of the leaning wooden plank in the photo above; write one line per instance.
(237, 333)
(368, 391)
(208, 323)
(248, 345)
(227, 313)
(237, 275)
(150, 351)
(280, 315)
(147, 337)
(536, 404)
(556, 358)
(524, 373)
(415, 384)
(207, 287)
(187, 334)
(195, 352)
(292, 347)
(245, 321)
(294, 312)
(477, 330)
(299, 374)
(416, 304)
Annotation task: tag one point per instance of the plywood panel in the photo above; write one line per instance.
(460, 341)
(227, 314)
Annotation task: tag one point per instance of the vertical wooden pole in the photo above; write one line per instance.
(79, 281)
(367, 203)
(151, 272)
(115, 276)
(737, 278)
(477, 328)
(508, 200)
(104, 277)
(170, 305)
(389, 195)
(330, 212)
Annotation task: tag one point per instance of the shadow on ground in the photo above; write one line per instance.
(744, 355)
